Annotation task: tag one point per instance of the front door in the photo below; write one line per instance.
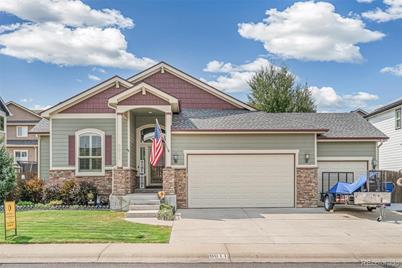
(152, 175)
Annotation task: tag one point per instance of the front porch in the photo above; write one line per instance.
(137, 112)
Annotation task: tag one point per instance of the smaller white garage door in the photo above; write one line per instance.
(241, 180)
(341, 169)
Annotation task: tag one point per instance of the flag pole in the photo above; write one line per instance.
(163, 136)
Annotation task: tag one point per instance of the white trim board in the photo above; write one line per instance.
(86, 94)
(84, 116)
(143, 88)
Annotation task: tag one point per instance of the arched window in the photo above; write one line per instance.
(90, 151)
(148, 133)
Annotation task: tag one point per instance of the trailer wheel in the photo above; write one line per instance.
(370, 209)
(328, 205)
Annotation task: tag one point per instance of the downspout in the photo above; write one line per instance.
(378, 151)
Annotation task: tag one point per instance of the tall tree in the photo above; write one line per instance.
(275, 90)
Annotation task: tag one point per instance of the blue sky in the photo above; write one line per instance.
(347, 51)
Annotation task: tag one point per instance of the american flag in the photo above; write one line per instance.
(157, 145)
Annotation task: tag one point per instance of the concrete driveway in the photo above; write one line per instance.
(289, 226)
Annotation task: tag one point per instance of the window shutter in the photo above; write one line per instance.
(71, 150)
(108, 150)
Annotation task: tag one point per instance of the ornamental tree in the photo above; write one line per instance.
(7, 174)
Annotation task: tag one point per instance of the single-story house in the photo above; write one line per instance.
(220, 152)
(388, 119)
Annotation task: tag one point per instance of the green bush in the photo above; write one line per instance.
(7, 174)
(86, 192)
(166, 212)
(25, 203)
(51, 192)
(30, 190)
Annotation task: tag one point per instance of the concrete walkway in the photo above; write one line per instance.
(244, 235)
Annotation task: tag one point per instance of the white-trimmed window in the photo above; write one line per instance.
(22, 131)
(90, 147)
(20, 155)
(398, 118)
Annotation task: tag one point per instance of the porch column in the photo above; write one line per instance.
(168, 148)
(119, 139)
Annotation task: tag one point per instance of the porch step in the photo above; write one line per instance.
(144, 207)
(141, 213)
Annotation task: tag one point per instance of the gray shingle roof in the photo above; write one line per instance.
(22, 142)
(333, 125)
(41, 127)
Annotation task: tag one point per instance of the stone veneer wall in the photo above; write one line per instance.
(102, 183)
(175, 182)
(306, 187)
(123, 181)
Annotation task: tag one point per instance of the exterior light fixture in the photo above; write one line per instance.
(175, 158)
(306, 157)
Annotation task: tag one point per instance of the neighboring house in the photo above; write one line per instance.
(220, 152)
(22, 145)
(388, 120)
(4, 112)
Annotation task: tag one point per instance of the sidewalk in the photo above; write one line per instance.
(179, 253)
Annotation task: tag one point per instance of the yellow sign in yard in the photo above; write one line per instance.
(10, 217)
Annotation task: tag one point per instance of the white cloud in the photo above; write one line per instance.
(310, 31)
(67, 12)
(9, 27)
(392, 12)
(365, 1)
(58, 44)
(93, 77)
(40, 107)
(76, 35)
(234, 78)
(395, 70)
(26, 100)
(328, 100)
(100, 70)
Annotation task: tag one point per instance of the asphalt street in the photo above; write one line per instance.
(204, 265)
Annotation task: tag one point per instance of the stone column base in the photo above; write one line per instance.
(307, 188)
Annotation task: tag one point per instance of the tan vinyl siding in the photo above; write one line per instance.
(44, 157)
(62, 128)
(302, 142)
(347, 149)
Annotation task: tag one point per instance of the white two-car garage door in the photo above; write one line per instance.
(241, 180)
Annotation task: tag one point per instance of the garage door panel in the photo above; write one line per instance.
(241, 180)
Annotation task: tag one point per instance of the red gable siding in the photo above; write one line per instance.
(188, 95)
(96, 103)
(139, 99)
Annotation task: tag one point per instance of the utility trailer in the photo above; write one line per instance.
(371, 191)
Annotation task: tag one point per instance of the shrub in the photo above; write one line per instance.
(87, 192)
(51, 192)
(55, 203)
(25, 203)
(69, 192)
(31, 190)
(7, 174)
(165, 212)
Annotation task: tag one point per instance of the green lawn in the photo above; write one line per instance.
(75, 226)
